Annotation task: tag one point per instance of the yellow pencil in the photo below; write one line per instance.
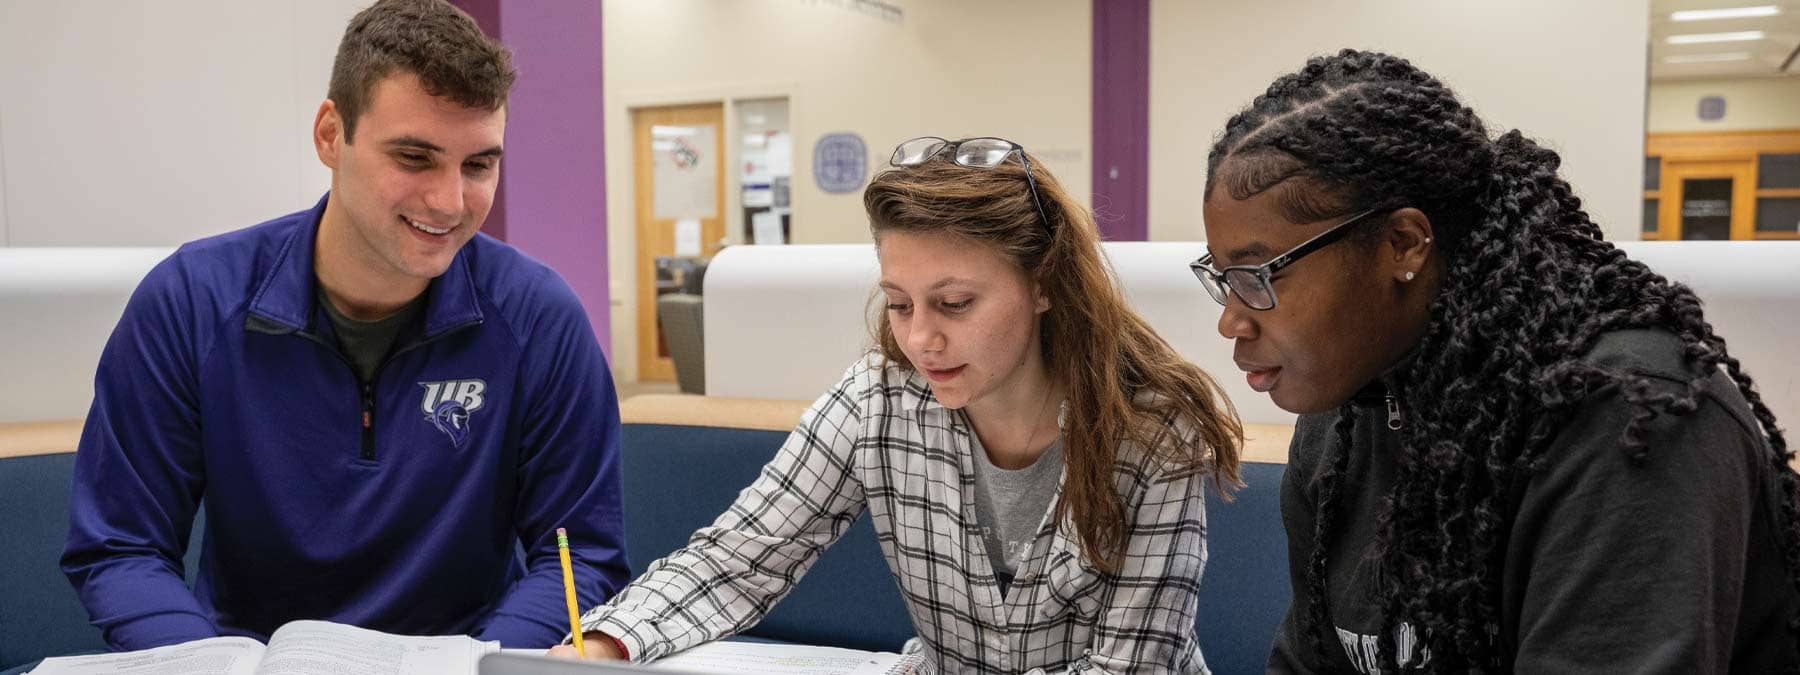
(562, 551)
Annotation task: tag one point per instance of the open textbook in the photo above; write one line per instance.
(298, 648)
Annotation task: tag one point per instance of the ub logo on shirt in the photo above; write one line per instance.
(449, 403)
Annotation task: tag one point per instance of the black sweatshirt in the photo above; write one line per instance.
(1668, 565)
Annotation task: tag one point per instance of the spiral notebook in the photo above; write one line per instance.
(720, 658)
(761, 658)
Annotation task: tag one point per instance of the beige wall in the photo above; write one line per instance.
(1753, 103)
(151, 124)
(1013, 68)
(1571, 74)
(1021, 69)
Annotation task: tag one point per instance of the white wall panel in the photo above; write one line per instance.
(4, 232)
(153, 123)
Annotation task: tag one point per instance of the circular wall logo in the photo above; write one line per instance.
(840, 162)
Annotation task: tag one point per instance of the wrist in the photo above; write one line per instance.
(606, 642)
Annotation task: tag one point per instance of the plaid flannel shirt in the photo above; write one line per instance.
(879, 440)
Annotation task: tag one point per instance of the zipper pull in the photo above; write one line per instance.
(368, 421)
(1393, 405)
(368, 402)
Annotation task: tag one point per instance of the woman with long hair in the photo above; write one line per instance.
(1519, 449)
(1032, 455)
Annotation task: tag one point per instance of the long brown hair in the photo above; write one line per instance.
(1124, 381)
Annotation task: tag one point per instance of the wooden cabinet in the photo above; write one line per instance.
(1726, 185)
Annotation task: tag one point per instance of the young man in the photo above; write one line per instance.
(378, 406)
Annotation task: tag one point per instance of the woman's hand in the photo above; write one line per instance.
(600, 647)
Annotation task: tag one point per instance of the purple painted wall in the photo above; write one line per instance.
(487, 15)
(1122, 118)
(553, 178)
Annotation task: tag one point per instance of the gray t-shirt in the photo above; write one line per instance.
(367, 342)
(1010, 504)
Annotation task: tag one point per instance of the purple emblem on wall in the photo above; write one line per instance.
(840, 162)
(1712, 108)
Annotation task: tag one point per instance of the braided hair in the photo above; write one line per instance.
(1529, 285)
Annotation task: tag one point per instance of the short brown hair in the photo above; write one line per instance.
(429, 38)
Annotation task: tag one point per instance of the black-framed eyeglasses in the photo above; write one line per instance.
(985, 152)
(1254, 284)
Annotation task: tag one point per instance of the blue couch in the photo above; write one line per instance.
(43, 617)
(683, 475)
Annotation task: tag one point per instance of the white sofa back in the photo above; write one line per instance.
(783, 322)
(59, 306)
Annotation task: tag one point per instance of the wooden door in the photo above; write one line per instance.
(1763, 167)
(1707, 200)
(683, 147)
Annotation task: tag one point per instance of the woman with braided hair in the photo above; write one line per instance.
(1519, 449)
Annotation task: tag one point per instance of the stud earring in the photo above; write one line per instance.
(1409, 276)
(1428, 240)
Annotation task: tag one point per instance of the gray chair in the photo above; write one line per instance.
(680, 315)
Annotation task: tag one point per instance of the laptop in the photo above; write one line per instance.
(501, 663)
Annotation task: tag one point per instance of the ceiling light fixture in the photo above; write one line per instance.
(1708, 58)
(1725, 13)
(1703, 38)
